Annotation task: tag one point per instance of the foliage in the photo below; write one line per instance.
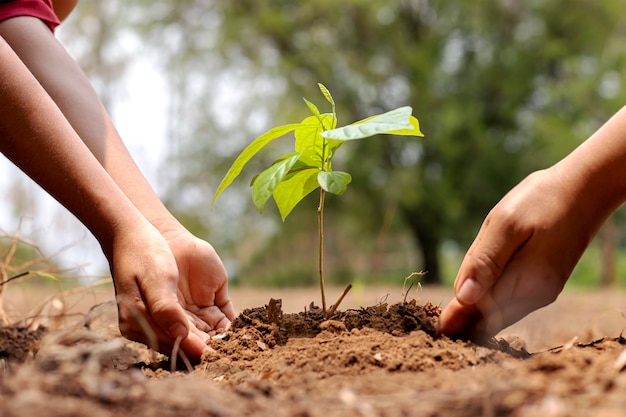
(293, 176)
(508, 87)
(317, 138)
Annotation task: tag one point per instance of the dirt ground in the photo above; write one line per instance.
(377, 357)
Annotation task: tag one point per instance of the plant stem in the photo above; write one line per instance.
(320, 229)
(5, 281)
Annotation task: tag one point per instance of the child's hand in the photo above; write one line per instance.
(203, 283)
(157, 303)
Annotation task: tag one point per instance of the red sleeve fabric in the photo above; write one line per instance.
(41, 9)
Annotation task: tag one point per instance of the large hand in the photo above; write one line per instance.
(153, 296)
(523, 255)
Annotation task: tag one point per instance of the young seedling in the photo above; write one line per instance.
(295, 175)
(26, 273)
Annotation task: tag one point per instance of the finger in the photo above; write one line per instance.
(524, 288)
(194, 345)
(221, 297)
(497, 317)
(490, 320)
(456, 317)
(163, 306)
(135, 324)
(497, 241)
(214, 316)
(478, 322)
(212, 289)
(223, 301)
(198, 322)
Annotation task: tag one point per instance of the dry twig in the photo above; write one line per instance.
(341, 297)
(413, 274)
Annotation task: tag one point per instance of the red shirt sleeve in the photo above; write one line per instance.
(41, 9)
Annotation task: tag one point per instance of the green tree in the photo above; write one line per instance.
(503, 88)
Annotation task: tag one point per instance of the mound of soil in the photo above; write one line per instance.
(384, 360)
(17, 343)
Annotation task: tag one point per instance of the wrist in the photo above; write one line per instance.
(112, 225)
(167, 224)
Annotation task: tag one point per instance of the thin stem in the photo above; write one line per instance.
(320, 229)
(7, 280)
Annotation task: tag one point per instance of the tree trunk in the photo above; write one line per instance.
(427, 240)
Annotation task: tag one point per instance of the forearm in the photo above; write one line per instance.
(75, 97)
(121, 167)
(111, 152)
(54, 127)
(597, 169)
(37, 138)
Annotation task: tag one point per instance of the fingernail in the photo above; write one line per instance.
(177, 330)
(470, 292)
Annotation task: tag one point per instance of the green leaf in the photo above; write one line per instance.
(44, 275)
(303, 162)
(326, 93)
(309, 140)
(334, 182)
(415, 131)
(313, 109)
(267, 180)
(249, 152)
(294, 188)
(397, 120)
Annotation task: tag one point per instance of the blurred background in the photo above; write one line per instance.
(501, 88)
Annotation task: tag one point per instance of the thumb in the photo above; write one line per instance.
(485, 260)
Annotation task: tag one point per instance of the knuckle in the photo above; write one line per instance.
(161, 307)
(488, 267)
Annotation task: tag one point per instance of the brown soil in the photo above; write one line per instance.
(383, 360)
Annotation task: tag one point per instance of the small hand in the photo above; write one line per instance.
(203, 282)
(524, 253)
(156, 303)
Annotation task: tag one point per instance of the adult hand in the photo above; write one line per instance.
(524, 253)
